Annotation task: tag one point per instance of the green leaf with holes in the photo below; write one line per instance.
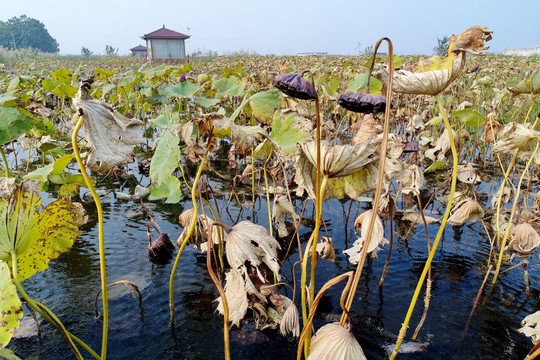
(54, 233)
(10, 306)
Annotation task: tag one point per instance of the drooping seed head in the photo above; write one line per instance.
(295, 86)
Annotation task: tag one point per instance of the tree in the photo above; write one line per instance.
(110, 51)
(86, 52)
(442, 46)
(24, 32)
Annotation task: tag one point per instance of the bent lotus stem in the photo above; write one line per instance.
(190, 229)
(53, 320)
(316, 301)
(380, 178)
(101, 238)
(220, 289)
(427, 265)
(512, 212)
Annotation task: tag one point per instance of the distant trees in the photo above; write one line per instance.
(24, 32)
(110, 51)
(86, 52)
(442, 46)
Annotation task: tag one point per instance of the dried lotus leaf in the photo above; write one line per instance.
(236, 295)
(362, 103)
(524, 241)
(334, 342)
(109, 134)
(325, 249)
(468, 175)
(465, 210)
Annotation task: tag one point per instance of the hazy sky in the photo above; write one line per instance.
(281, 27)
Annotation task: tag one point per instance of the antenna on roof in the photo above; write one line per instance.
(164, 26)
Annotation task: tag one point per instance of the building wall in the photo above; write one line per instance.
(523, 51)
(165, 49)
(139, 54)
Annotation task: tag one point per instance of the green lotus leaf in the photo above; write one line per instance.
(13, 124)
(287, 131)
(436, 166)
(10, 308)
(170, 191)
(185, 88)
(264, 104)
(53, 234)
(360, 82)
(165, 160)
(469, 117)
(7, 98)
(42, 174)
(205, 102)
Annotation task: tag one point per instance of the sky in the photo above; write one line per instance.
(281, 27)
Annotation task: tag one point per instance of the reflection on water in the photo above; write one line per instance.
(71, 283)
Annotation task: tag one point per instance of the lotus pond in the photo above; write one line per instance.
(232, 144)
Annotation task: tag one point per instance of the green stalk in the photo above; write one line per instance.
(516, 198)
(4, 159)
(315, 234)
(268, 194)
(101, 237)
(190, 229)
(427, 265)
(31, 302)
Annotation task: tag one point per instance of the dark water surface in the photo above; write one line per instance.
(70, 285)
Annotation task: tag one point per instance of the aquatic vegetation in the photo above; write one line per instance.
(261, 169)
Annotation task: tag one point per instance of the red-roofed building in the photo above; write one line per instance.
(139, 51)
(165, 44)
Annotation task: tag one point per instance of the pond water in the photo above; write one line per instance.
(142, 331)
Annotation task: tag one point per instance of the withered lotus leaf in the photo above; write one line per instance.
(334, 342)
(465, 210)
(340, 160)
(377, 237)
(296, 86)
(325, 249)
(525, 240)
(433, 76)
(290, 323)
(109, 134)
(362, 103)
(236, 294)
(248, 242)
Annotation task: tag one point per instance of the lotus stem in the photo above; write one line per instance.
(190, 229)
(4, 159)
(501, 190)
(380, 179)
(311, 246)
(427, 265)
(221, 293)
(120, 282)
(476, 301)
(101, 238)
(268, 194)
(307, 327)
(51, 319)
(512, 212)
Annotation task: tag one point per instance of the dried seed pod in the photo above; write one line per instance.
(362, 103)
(410, 147)
(296, 86)
(161, 249)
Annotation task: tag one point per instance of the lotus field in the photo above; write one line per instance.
(314, 207)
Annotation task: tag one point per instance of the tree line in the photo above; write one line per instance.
(24, 32)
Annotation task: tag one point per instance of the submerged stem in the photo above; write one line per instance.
(268, 194)
(101, 239)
